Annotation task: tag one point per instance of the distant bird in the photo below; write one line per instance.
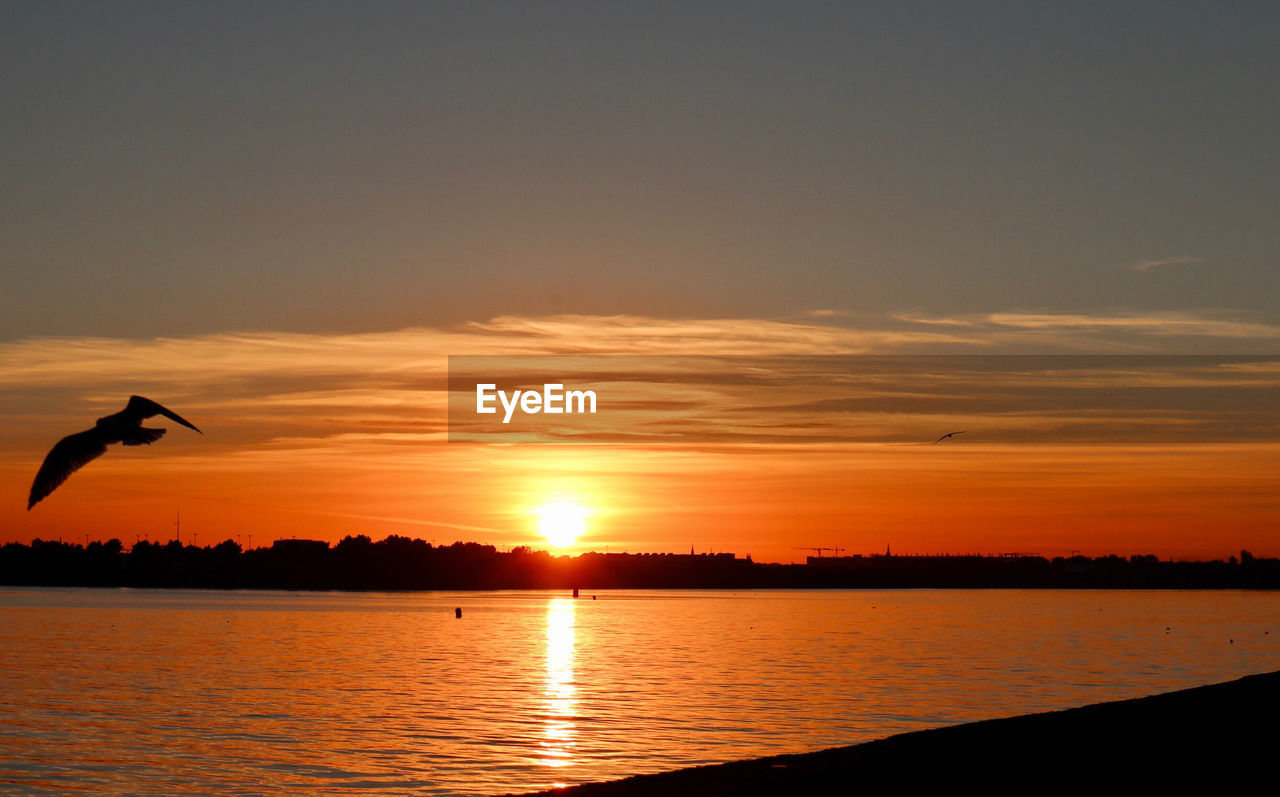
(945, 436)
(75, 451)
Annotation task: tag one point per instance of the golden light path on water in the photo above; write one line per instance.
(558, 722)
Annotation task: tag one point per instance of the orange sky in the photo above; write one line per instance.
(323, 436)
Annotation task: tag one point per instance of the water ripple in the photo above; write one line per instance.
(124, 691)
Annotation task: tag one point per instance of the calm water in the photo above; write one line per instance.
(249, 692)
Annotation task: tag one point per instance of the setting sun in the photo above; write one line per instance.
(562, 523)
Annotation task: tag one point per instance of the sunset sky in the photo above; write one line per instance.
(281, 219)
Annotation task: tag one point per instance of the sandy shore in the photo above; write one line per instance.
(1219, 733)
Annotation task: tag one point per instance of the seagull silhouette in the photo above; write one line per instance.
(945, 436)
(75, 451)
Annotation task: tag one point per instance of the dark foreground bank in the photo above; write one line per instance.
(1224, 734)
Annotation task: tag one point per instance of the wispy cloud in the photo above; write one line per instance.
(1147, 265)
(1168, 332)
(307, 368)
(413, 521)
(628, 334)
(375, 382)
(211, 359)
(1149, 323)
(332, 398)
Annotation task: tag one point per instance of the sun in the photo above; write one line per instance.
(562, 523)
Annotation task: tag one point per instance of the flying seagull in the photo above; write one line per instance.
(75, 451)
(945, 436)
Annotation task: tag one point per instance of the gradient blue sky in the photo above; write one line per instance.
(179, 169)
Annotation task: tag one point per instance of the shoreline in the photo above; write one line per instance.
(401, 564)
(1172, 738)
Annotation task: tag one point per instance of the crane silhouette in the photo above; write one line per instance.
(74, 451)
(836, 551)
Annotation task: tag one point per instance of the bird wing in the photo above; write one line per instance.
(71, 454)
(139, 408)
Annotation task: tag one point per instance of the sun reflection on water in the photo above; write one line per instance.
(559, 705)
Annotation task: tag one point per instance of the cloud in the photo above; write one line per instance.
(354, 369)
(1149, 323)
(371, 392)
(334, 396)
(628, 334)
(1147, 265)
(1169, 332)
(413, 521)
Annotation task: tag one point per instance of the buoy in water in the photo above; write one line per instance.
(458, 612)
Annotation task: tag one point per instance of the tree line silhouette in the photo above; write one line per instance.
(401, 563)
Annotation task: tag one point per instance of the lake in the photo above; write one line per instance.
(173, 692)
